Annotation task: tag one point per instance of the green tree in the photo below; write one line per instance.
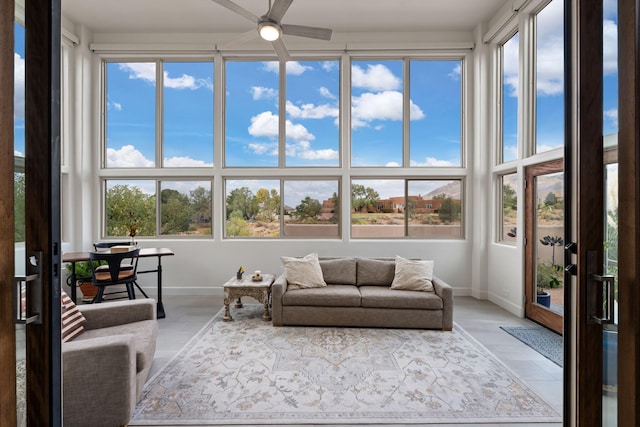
(551, 199)
(243, 201)
(335, 201)
(509, 197)
(237, 225)
(307, 211)
(177, 212)
(269, 203)
(200, 199)
(129, 207)
(363, 197)
(449, 210)
(19, 206)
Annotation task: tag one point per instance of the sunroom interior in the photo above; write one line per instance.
(422, 100)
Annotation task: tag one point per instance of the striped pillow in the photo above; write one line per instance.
(72, 319)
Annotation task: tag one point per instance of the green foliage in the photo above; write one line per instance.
(548, 276)
(307, 211)
(200, 199)
(129, 208)
(363, 197)
(237, 225)
(177, 212)
(509, 198)
(449, 210)
(551, 199)
(242, 200)
(336, 203)
(269, 204)
(19, 206)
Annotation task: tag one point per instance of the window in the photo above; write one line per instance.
(307, 208)
(376, 113)
(253, 125)
(509, 208)
(549, 77)
(424, 208)
(435, 113)
(510, 93)
(131, 205)
(131, 105)
(188, 114)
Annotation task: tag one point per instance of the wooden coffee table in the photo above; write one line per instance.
(247, 287)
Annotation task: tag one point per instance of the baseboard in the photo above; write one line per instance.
(172, 291)
(512, 308)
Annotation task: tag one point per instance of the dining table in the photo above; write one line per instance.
(73, 257)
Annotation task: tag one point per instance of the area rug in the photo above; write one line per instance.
(542, 340)
(249, 372)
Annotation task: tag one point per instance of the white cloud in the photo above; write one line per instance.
(610, 47)
(115, 105)
(264, 148)
(550, 52)
(294, 68)
(376, 77)
(510, 65)
(380, 106)
(455, 73)
(326, 93)
(185, 162)
(612, 115)
(147, 71)
(18, 87)
(330, 65)
(432, 161)
(392, 165)
(17, 153)
(127, 157)
(265, 124)
(260, 92)
(302, 149)
(311, 111)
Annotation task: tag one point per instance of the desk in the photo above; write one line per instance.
(73, 257)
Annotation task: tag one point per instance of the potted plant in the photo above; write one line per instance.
(547, 277)
(83, 280)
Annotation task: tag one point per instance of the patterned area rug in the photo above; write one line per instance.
(248, 372)
(542, 340)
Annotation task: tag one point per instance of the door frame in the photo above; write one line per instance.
(535, 311)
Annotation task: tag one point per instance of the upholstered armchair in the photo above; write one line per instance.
(104, 368)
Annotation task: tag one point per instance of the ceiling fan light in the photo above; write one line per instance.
(269, 31)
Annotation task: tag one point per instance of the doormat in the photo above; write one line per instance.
(542, 340)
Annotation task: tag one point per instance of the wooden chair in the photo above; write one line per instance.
(115, 273)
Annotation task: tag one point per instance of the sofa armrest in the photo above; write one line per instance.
(444, 291)
(99, 380)
(278, 289)
(115, 313)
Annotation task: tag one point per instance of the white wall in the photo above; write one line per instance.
(472, 266)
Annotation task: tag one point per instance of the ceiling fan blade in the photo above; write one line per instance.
(281, 50)
(278, 9)
(244, 37)
(304, 31)
(237, 9)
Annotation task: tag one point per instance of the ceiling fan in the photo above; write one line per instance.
(270, 27)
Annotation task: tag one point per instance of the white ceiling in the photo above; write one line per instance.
(343, 16)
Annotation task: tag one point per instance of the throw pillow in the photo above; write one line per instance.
(303, 273)
(413, 275)
(72, 319)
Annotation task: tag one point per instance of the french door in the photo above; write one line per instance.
(603, 184)
(30, 214)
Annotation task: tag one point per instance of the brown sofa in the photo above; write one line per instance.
(358, 293)
(104, 369)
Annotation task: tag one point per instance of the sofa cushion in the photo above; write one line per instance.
(413, 275)
(304, 272)
(144, 333)
(339, 271)
(73, 320)
(375, 271)
(383, 297)
(328, 296)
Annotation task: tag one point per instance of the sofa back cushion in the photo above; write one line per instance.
(339, 271)
(371, 271)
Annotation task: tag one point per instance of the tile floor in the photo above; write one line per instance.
(186, 315)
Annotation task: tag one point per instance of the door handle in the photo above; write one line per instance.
(27, 301)
(600, 293)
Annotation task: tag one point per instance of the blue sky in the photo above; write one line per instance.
(312, 114)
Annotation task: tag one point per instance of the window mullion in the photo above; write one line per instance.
(159, 113)
(406, 114)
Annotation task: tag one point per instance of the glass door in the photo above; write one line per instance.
(544, 243)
